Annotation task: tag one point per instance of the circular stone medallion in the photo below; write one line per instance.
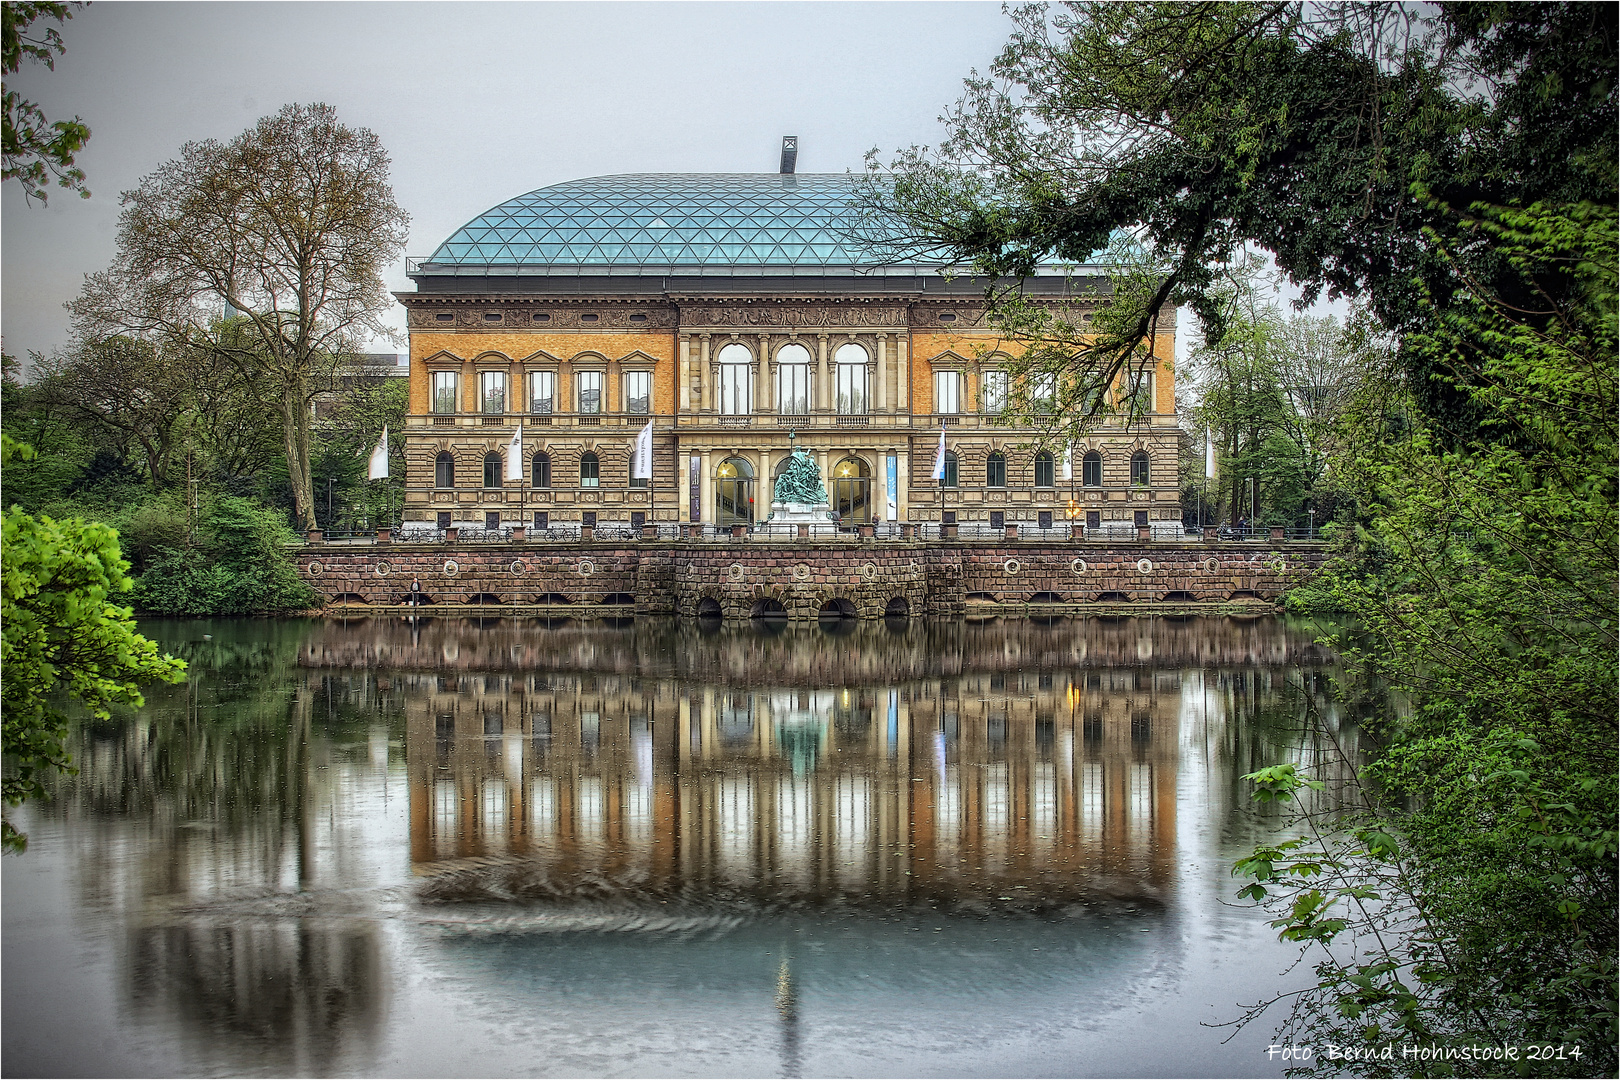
(1212, 566)
(1011, 566)
(1144, 566)
(1078, 566)
(736, 572)
(383, 569)
(451, 568)
(801, 572)
(586, 567)
(517, 568)
(316, 569)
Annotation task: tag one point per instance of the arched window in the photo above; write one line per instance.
(590, 470)
(851, 360)
(734, 492)
(492, 469)
(1043, 470)
(1139, 469)
(542, 469)
(851, 491)
(995, 469)
(736, 380)
(793, 380)
(444, 470)
(1091, 469)
(952, 474)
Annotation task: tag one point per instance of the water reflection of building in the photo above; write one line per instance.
(967, 791)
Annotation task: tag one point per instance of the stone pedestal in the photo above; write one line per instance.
(812, 518)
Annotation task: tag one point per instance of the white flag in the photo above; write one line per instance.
(939, 458)
(514, 455)
(379, 458)
(1209, 455)
(641, 464)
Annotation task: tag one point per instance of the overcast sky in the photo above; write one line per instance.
(478, 102)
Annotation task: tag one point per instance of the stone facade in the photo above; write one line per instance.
(711, 358)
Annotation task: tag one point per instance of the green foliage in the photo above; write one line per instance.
(1482, 571)
(239, 567)
(36, 148)
(62, 633)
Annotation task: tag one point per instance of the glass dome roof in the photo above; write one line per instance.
(646, 220)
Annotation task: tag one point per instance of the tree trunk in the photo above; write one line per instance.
(295, 426)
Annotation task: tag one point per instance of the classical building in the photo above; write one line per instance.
(735, 313)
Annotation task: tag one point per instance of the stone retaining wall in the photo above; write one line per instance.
(866, 580)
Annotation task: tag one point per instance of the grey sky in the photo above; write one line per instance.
(478, 102)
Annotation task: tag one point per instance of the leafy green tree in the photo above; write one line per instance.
(291, 224)
(238, 566)
(36, 148)
(1485, 581)
(1197, 130)
(60, 633)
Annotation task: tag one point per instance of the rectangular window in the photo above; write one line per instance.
(638, 392)
(445, 392)
(736, 389)
(793, 389)
(1043, 470)
(542, 392)
(995, 391)
(589, 387)
(852, 389)
(995, 470)
(1043, 392)
(998, 519)
(492, 391)
(947, 391)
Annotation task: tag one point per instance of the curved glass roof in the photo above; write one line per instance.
(645, 220)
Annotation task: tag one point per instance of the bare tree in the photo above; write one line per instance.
(291, 224)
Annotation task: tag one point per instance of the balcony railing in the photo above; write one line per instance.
(819, 418)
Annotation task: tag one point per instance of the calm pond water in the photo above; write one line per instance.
(667, 849)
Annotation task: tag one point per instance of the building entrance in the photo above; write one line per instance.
(851, 491)
(734, 492)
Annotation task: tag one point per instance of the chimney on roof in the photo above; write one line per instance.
(790, 154)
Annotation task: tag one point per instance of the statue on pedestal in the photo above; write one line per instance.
(799, 497)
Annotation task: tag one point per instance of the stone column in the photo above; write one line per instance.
(881, 390)
(765, 391)
(902, 487)
(823, 384)
(683, 385)
(902, 399)
(705, 489)
(705, 395)
(762, 486)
